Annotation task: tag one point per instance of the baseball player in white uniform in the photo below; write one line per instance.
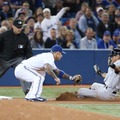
(34, 69)
(51, 21)
(107, 91)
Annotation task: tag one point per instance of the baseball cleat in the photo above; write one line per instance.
(39, 99)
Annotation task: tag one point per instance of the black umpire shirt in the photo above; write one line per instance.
(14, 46)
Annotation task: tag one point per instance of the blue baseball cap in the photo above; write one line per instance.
(57, 48)
(116, 33)
(107, 33)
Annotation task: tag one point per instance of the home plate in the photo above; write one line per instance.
(5, 98)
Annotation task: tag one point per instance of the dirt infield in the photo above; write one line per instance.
(20, 109)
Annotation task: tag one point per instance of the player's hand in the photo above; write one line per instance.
(77, 78)
(97, 70)
(57, 81)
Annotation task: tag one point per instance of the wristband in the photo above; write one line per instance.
(112, 66)
(70, 78)
(61, 73)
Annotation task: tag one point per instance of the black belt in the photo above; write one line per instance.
(114, 92)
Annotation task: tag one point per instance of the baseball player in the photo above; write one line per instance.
(107, 91)
(34, 69)
(51, 21)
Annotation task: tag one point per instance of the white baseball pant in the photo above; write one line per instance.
(103, 93)
(29, 75)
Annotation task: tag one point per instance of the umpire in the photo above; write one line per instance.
(14, 47)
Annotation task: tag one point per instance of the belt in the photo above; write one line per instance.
(114, 92)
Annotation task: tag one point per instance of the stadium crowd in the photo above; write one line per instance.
(73, 24)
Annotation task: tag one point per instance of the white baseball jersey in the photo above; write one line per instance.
(47, 24)
(38, 62)
(112, 79)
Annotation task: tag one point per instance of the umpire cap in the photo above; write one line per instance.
(57, 48)
(18, 23)
(114, 52)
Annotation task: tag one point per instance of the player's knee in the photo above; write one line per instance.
(93, 86)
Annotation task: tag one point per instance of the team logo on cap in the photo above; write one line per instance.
(20, 22)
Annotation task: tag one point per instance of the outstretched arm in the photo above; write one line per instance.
(76, 78)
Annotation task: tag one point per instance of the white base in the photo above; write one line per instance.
(5, 98)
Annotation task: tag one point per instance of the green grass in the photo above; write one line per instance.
(110, 109)
(53, 92)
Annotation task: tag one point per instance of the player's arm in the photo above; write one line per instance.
(116, 68)
(99, 72)
(61, 74)
(49, 70)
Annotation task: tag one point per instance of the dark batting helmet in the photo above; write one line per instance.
(114, 52)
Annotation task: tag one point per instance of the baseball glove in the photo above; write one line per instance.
(97, 70)
(77, 78)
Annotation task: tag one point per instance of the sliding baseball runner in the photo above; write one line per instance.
(109, 90)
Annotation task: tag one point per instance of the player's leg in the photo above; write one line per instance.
(97, 86)
(25, 74)
(86, 92)
(4, 66)
(25, 85)
(103, 93)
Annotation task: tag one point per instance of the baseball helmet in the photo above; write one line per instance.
(114, 52)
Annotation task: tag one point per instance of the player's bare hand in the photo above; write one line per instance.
(57, 81)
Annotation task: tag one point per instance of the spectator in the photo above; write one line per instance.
(116, 39)
(105, 43)
(31, 22)
(39, 19)
(10, 22)
(74, 6)
(38, 11)
(107, 3)
(5, 13)
(50, 21)
(37, 41)
(88, 42)
(77, 32)
(69, 40)
(62, 34)
(22, 16)
(3, 29)
(56, 7)
(88, 20)
(111, 12)
(52, 40)
(39, 3)
(97, 3)
(5, 23)
(24, 9)
(81, 12)
(98, 13)
(16, 4)
(103, 25)
(116, 25)
(49, 3)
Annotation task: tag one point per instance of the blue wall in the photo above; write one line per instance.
(74, 62)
